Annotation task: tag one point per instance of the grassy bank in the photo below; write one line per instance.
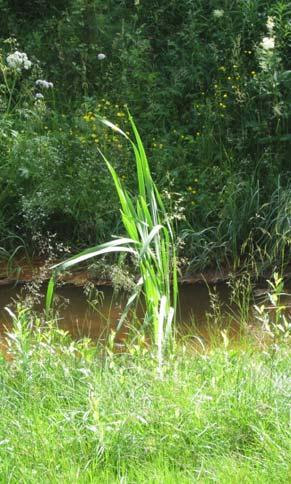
(73, 412)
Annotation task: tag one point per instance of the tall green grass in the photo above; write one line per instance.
(150, 240)
(248, 231)
(69, 414)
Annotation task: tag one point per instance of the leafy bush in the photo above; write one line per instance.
(212, 103)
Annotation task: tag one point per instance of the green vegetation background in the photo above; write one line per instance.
(212, 107)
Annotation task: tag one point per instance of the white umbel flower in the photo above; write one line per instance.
(18, 60)
(218, 13)
(268, 43)
(39, 95)
(44, 84)
(101, 56)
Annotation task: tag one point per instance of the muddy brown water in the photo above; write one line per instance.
(81, 318)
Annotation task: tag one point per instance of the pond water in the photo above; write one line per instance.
(81, 318)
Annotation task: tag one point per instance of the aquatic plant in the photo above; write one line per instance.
(150, 240)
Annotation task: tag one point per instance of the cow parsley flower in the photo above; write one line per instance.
(218, 13)
(268, 43)
(18, 60)
(44, 84)
(39, 95)
(101, 56)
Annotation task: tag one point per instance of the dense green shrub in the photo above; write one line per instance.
(211, 96)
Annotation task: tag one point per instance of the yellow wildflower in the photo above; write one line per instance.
(88, 117)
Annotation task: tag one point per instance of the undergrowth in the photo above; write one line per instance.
(208, 84)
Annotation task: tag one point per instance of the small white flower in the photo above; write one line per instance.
(268, 43)
(27, 64)
(218, 13)
(270, 24)
(101, 56)
(18, 60)
(44, 84)
(39, 95)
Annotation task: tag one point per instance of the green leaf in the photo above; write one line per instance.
(50, 294)
(113, 246)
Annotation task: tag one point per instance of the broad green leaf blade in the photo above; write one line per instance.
(150, 237)
(113, 127)
(112, 246)
(50, 294)
(140, 172)
(82, 258)
(142, 158)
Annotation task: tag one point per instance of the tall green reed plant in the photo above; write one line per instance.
(150, 240)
